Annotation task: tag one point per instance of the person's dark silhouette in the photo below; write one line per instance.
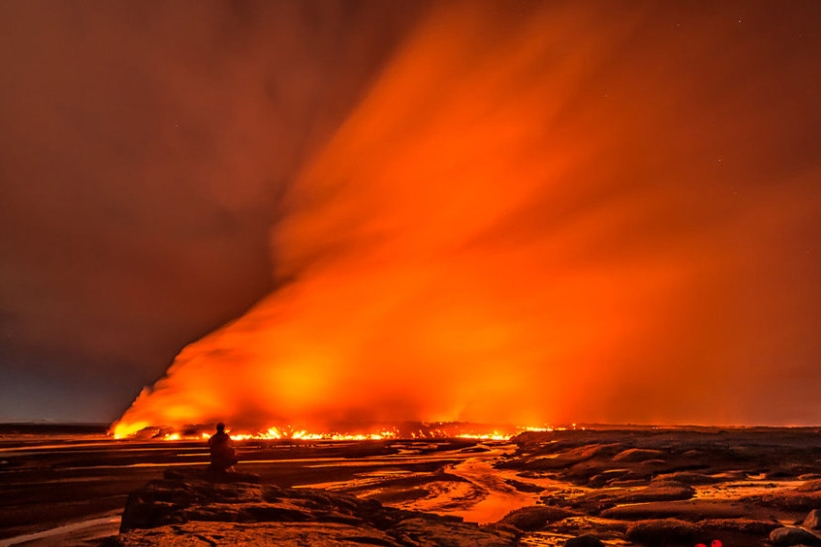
(223, 456)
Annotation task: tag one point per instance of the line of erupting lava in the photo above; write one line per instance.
(286, 433)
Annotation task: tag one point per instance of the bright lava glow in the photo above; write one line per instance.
(275, 433)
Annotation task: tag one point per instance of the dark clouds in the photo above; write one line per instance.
(143, 150)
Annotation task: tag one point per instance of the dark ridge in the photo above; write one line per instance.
(52, 429)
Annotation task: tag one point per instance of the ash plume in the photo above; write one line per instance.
(538, 214)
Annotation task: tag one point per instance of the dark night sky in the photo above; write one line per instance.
(142, 153)
(145, 148)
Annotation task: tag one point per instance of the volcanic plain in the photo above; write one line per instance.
(638, 486)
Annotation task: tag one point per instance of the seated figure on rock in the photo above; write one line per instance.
(223, 455)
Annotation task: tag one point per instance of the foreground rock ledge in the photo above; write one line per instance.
(189, 508)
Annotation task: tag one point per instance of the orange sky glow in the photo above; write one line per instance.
(541, 217)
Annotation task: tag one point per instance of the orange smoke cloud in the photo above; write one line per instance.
(530, 218)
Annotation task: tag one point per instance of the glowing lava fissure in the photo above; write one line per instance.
(353, 432)
(489, 238)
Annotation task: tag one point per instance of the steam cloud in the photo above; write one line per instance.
(539, 215)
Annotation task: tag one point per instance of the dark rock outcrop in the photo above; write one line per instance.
(586, 540)
(534, 517)
(187, 509)
(790, 535)
(662, 532)
(690, 510)
(636, 455)
(658, 491)
(813, 520)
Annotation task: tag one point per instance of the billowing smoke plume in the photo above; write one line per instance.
(540, 214)
(143, 154)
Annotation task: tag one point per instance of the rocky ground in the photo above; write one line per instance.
(640, 486)
(655, 487)
(190, 508)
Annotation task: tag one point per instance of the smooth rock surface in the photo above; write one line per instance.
(534, 517)
(662, 532)
(658, 491)
(185, 510)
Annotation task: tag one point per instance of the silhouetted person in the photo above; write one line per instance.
(223, 456)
